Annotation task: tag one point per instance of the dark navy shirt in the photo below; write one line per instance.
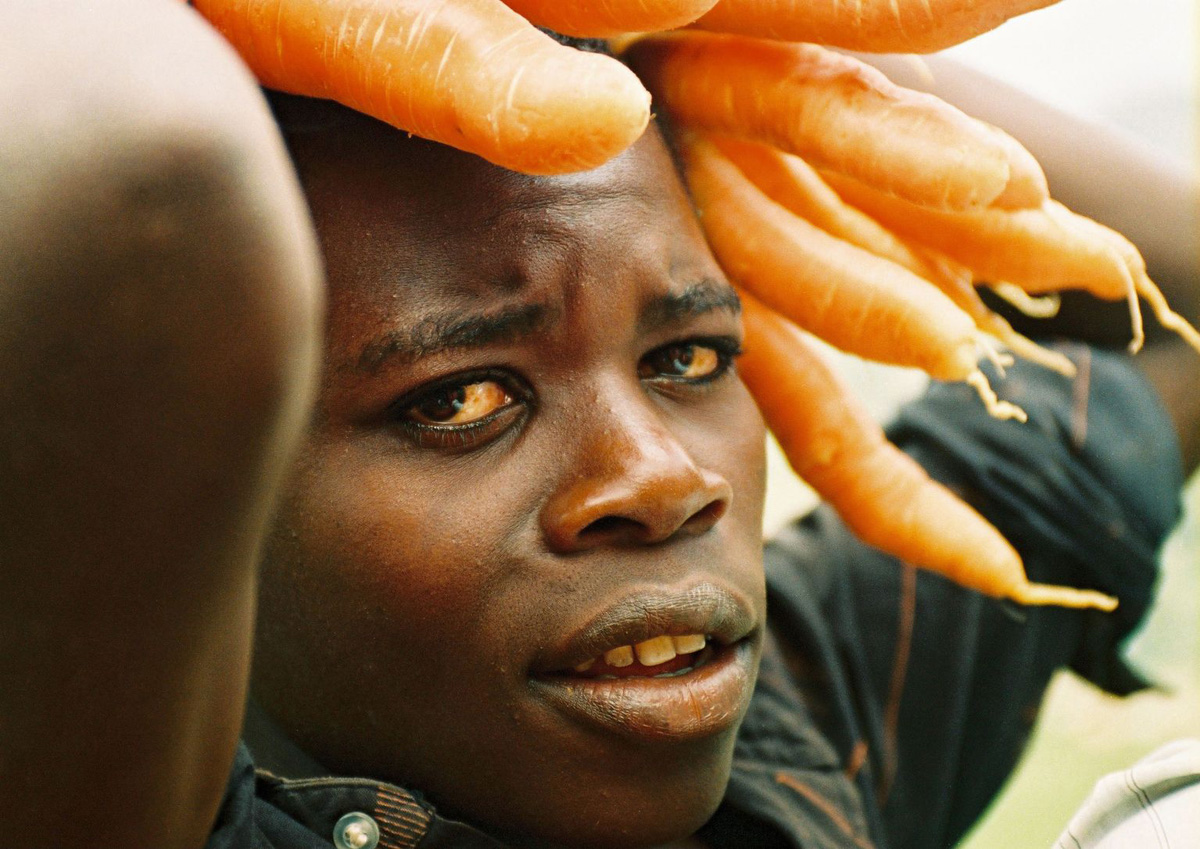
(891, 704)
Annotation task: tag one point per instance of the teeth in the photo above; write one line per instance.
(650, 652)
(620, 656)
(655, 651)
(688, 643)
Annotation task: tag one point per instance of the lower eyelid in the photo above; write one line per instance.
(467, 435)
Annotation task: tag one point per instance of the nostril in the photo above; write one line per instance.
(706, 516)
(608, 526)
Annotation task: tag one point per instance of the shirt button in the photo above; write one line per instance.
(356, 830)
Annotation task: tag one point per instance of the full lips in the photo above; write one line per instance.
(704, 702)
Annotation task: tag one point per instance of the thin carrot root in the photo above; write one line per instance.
(1025, 347)
(1034, 306)
(1135, 319)
(1050, 594)
(1140, 282)
(996, 408)
(1166, 316)
(1001, 361)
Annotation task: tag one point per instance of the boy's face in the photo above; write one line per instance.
(529, 450)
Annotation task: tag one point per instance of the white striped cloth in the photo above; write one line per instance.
(1155, 804)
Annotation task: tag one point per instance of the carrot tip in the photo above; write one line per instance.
(1046, 594)
(1025, 347)
(1166, 316)
(995, 407)
(1034, 306)
(1135, 317)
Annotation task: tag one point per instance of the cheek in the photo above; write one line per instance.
(749, 441)
(386, 574)
(732, 441)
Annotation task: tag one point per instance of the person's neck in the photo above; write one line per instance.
(276, 752)
(273, 750)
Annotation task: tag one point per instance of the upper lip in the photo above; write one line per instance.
(702, 608)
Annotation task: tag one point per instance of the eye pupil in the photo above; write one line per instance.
(690, 361)
(682, 357)
(444, 404)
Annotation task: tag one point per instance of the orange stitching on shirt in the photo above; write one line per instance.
(825, 806)
(402, 822)
(858, 756)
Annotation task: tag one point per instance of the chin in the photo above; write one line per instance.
(667, 798)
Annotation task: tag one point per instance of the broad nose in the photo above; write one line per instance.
(634, 484)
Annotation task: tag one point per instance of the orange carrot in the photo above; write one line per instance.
(612, 17)
(1040, 250)
(837, 113)
(884, 496)
(849, 297)
(796, 186)
(957, 283)
(874, 26)
(469, 73)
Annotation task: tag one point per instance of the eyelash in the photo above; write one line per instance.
(451, 437)
(727, 349)
(463, 437)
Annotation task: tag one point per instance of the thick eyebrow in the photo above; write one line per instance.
(439, 333)
(697, 299)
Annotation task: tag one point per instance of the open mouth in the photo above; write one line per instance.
(659, 657)
(659, 664)
(690, 695)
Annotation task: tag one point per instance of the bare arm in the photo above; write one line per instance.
(1119, 181)
(159, 295)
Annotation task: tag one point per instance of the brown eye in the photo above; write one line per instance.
(684, 361)
(462, 404)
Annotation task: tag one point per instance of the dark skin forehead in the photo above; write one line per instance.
(459, 252)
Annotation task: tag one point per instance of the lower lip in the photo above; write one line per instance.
(704, 702)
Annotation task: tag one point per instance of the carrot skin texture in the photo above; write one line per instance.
(882, 494)
(795, 185)
(1041, 250)
(472, 74)
(873, 26)
(831, 109)
(849, 297)
(591, 19)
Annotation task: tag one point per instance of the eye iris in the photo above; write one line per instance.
(681, 359)
(444, 404)
(688, 361)
(461, 404)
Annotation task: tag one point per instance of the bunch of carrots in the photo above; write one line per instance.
(839, 203)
